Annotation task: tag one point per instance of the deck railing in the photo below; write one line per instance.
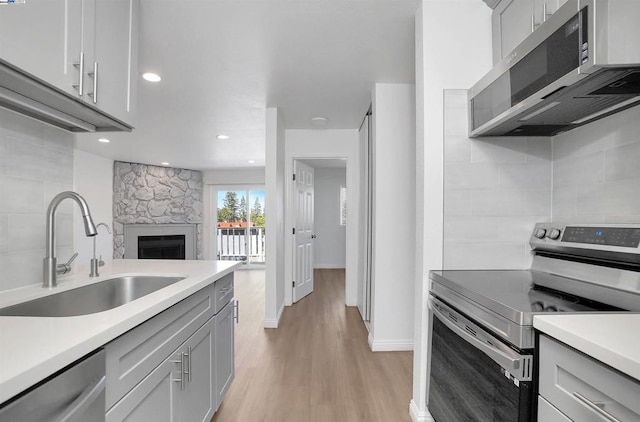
(235, 244)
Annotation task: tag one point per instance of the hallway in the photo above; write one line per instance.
(316, 366)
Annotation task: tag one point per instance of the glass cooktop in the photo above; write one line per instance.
(512, 294)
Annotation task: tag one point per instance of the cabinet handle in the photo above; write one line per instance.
(80, 67)
(188, 354)
(236, 305)
(534, 25)
(94, 75)
(595, 406)
(545, 13)
(181, 362)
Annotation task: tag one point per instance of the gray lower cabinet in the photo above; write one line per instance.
(225, 352)
(576, 387)
(178, 365)
(180, 389)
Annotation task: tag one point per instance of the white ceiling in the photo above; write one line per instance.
(224, 62)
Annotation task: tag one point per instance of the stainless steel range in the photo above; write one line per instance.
(482, 341)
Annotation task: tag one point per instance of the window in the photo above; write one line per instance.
(240, 234)
(343, 205)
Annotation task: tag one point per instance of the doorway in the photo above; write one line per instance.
(319, 239)
(240, 229)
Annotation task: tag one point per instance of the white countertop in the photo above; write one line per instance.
(32, 348)
(613, 339)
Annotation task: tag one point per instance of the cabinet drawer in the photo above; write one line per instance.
(583, 388)
(224, 291)
(136, 353)
(548, 413)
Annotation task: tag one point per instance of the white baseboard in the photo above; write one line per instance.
(390, 345)
(328, 267)
(271, 322)
(417, 415)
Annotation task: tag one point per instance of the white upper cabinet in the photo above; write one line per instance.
(86, 48)
(115, 58)
(514, 20)
(43, 38)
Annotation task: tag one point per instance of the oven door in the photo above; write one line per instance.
(473, 376)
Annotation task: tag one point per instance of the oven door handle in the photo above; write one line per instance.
(520, 366)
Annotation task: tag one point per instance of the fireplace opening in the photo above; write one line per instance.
(161, 247)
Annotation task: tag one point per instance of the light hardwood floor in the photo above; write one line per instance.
(316, 366)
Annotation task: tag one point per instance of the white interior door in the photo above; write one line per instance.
(303, 230)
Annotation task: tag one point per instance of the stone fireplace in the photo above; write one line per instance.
(162, 205)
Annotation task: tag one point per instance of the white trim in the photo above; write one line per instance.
(273, 323)
(390, 345)
(417, 415)
(326, 267)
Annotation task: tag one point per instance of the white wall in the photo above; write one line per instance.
(327, 144)
(274, 210)
(453, 51)
(36, 163)
(495, 190)
(391, 325)
(248, 176)
(596, 171)
(330, 243)
(93, 179)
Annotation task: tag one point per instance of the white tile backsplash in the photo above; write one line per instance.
(584, 170)
(496, 189)
(4, 232)
(596, 171)
(499, 150)
(26, 230)
(498, 203)
(36, 163)
(486, 255)
(529, 175)
(623, 162)
(21, 195)
(471, 175)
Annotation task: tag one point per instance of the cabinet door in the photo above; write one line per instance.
(43, 38)
(198, 402)
(511, 21)
(115, 54)
(225, 347)
(153, 399)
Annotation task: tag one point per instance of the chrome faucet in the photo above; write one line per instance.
(51, 268)
(95, 262)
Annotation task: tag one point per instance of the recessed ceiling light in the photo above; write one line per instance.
(104, 140)
(319, 121)
(251, 161)
(223, 137)
(164, 163)
(151, 77)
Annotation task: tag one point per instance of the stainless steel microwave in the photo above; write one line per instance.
(580, 65)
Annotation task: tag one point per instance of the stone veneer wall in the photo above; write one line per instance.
(155, 195)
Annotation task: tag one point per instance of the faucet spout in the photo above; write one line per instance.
(50, 265)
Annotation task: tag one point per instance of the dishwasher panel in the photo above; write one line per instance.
(76, 394)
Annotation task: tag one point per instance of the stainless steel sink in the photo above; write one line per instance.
(97, 297)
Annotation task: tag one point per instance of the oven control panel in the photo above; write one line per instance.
(601, 240)
(611, 236)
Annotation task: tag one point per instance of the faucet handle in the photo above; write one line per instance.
(65, 268)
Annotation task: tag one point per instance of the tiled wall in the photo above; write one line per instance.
(496, 189)
(36, 163)
(596, 171)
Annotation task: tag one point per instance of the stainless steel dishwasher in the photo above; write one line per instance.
(75, 394)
